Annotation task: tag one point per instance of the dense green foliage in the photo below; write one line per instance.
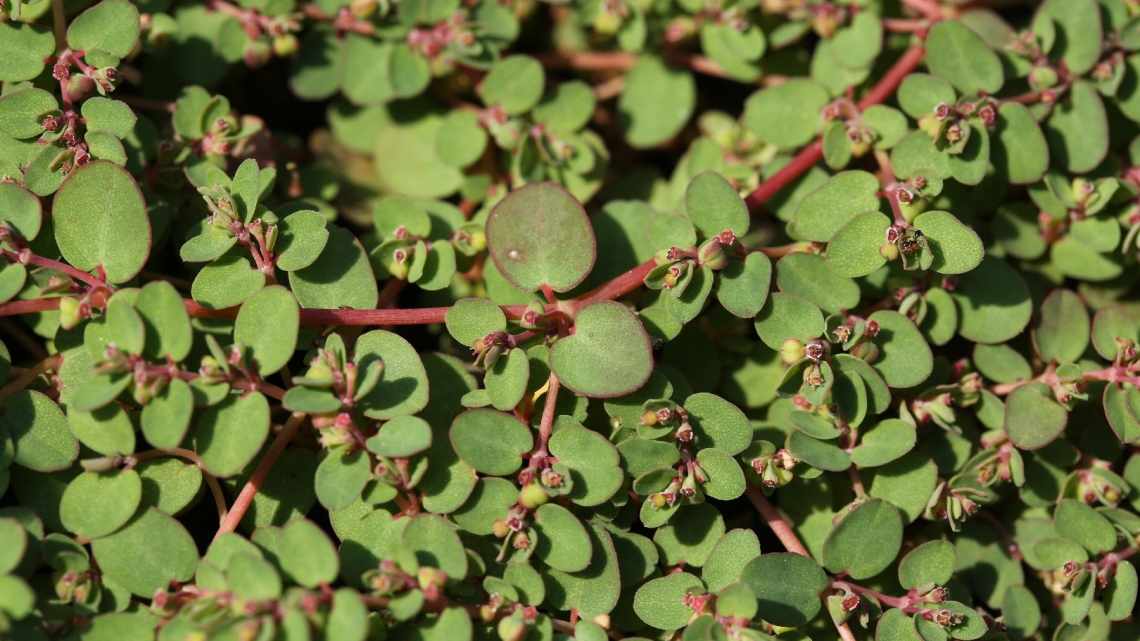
(686, 320)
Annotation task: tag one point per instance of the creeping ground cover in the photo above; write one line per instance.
(552, 320)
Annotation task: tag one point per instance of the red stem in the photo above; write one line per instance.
(776, 522)
(63, 268)
(257, 479)
(813, 153)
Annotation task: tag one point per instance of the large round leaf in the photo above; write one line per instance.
(39, 432)
(994, 302)
(540, 235)
(787, 586)
(228, 435)
(491, 442)
(403, 389)
(905, 359)
(146, 555)
(866, 541)
(100, 219)
(267, 323)
(607, 355)
(1032, 418)
(96, 504)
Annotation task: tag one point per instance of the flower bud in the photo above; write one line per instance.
(791, 351)
(285, 45)
(532, 496)
(711, 254)
(256, 54)
(500, 528)
(69, 312)
(512, 628)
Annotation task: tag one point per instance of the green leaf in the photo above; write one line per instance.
(563, 543)
(108, 430)
(1020, 151)
(1078, 522)
(993, 301)
(39, 432)
(660, 603)
(306, 554)
(471, 319)
(267, 324)
(111, 116)
(1077, 130)
(743, 285)
(718, 423)
(166, 417)
(341, 476)
(23, 49)
(655, 103)
(824, 211)
(1079, 23)
(567, 107)
(788, 587)
(689, 538)
(1061, 333)
(1120, 597)
(229, 435)
(540, 235)
(786, 115)
(1122, 410)
(866, 540)
(1021, 613)
(22, 112)
(608, 354)
(506, 380)
(729, 557)
(341, 277)
(931, 563)
(593, 462)
(401, 437)
(97, 504)
(1032, 418)
(434, 543)
(20, 209)
(303, 238)
(854, 250)
(147, 554)
(490, 501)
(959, 55)
(784, 317)
(725, 478)
(714, 206)
(417, 170)
(920, 93)
(491, 442)
(896, 625)
(883, 443)
(461, 139)
(404, 388)
(514, 83)
(109, 29)
(809, 277)
(956, 248)
(825, 455)
(165, 320)
(170, 485)
(905, 359)
(100, 219)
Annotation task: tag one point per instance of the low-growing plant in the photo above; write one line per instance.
(442, 321)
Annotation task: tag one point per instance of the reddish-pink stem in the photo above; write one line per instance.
(55, 265)
(257, 479)
(776, 522)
